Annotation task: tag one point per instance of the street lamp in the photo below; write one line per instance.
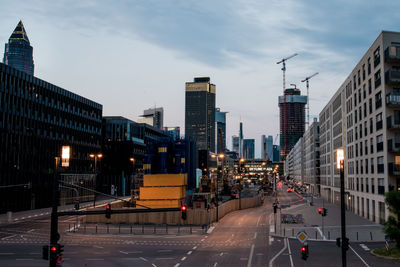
(95, 157)
(340, 166)
(218, 156)
(132, 159)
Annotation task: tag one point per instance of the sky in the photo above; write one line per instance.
(131, 55)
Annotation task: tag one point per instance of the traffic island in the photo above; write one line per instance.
(389, 254)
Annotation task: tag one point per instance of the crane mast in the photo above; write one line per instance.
(308, 97)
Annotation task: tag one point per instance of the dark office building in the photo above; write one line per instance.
(18, 52)
(248, 148)
(174, 132)
(220, 120)
(200, 113)
(36, 119)
(292, 119)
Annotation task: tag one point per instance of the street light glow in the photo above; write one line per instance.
(339, 157)
(65, 155)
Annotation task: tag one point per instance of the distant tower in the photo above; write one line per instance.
(248, 148)
(200, 113)
(18, 52)
(220, 121)
(241, 140)
(294, 112)
(235, 143)
(153, 117)
(267, 147)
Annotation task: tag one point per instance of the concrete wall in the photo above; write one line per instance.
(194, 216)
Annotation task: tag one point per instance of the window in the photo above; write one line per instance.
(355, 115)
(366, 166)
(364, 92)
(356, 150)
(359, 95)
(360, 113)
(377, 57)
(366, 147)
(359, 77)
(369, 86)
(354, 82)
(381, 166)
(372, 145)
(360, 130)
(362, 184)
(369, 66)
(381, 186)
(356, 133)
(361, 148)
(379, 121)
(378, 100)
(370, 106)
(365, 110)
(377, 79)
(372, 185)
(379, 143)
(363, 72)
(372, 166)
(371, 125)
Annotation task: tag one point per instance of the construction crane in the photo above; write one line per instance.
(308, 97)
(284, 141)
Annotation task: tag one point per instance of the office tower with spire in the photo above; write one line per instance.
(200, 113)
(267, 147)
(241, 139)
(18, 52)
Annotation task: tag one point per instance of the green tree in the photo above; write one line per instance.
(392, 225)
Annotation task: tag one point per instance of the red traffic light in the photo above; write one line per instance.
(303, 249)
(53, 249)
(108, 207)
(183, 208)
(319, 210)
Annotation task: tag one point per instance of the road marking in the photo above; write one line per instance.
(320, 232)
(202, 240)
(215, 264)
(251, 256)
(366, 264)
(209, 231)
(143, 259)
(189, 252)
(270, 240)
(364, 247)
(258, 220)
(176, 265)
(31, 230)
(184, 258)
(7, 237)
(271, 262)
(97, 246)
(154, 265)
(255, 235)
(290, 252)
(271, 229)
(195, 247)
(221, 254)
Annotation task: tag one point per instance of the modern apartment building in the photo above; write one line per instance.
(294, 163)
(311, 158)
(363, 118)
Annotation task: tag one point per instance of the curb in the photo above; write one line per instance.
(384, 257)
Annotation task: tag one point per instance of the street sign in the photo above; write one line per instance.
(302, 237)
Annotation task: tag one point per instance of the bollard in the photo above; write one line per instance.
(74, 227)
(131, 228)
(357, 236)
(142, 228)
(108, 230)
(119, 228)
(9, 216)
(284, 231)
(370, 233)
(96, 228)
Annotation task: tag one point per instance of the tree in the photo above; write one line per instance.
(392, 225)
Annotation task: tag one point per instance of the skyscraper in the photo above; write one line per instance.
(18, 52)
(266, 147)
(200, 113)
(241, 139)
(153, 117)
(292, 119)
(248, 148)
(235, 143)
(220, 120)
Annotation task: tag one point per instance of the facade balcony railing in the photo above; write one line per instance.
(392, 54)
(392, 123)
(394, 169)
(392, 146)
(393, 100)
(392, 76)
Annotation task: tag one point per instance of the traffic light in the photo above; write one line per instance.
(45, 252)
(108, 211)
(76, 205)
(60, 249)
(275, 208)
(304, 252)
(53, 252)
(324, 212)
(320, 210)
(183, 210)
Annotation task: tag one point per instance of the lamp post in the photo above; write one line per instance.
(95, 157)
(218, 174)
(132, 159)
(340, 166)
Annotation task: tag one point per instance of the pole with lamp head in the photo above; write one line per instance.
(340, 166)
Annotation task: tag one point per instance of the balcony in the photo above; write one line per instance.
(393, 100)
(392, 76)
(392, 54)
(392, 124)
(394, 169)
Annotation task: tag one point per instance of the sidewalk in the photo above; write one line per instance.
(28, 214)
(357, 228)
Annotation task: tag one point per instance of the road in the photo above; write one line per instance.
(242, 238)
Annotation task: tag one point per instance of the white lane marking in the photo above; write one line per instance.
(255, 235)
(41, 213)
(215, 264)
(189, 252)
(22, 218)
(31, 230)
(143, 259)
(366, 264)
(97, 246)
(7, 237)
(364, 247)
(209, 231)
(194, 248)
(258, 221)
(206, 236)
(221, 254)
(154, 265)
(251, 256)
(271, 262)
(7, 253)
(290, 252)
(202, 240)
(176, 265)
(320, 232)
(130, 252)
(184, 258)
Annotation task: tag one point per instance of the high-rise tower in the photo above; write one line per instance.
(292, 118)
(18, 52)
(200, 113)
(220, 120)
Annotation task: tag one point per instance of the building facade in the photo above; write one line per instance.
(267, 147)
(36, 119)
(248, 148)
(18, 52)
(311, 158)
(363, 118)
(235, 144)
(276, 155)
(200, 113)
(292, 119)
(153, 117)
(174, 132)
(220, 121)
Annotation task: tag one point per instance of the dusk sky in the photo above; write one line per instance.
(133, 55)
